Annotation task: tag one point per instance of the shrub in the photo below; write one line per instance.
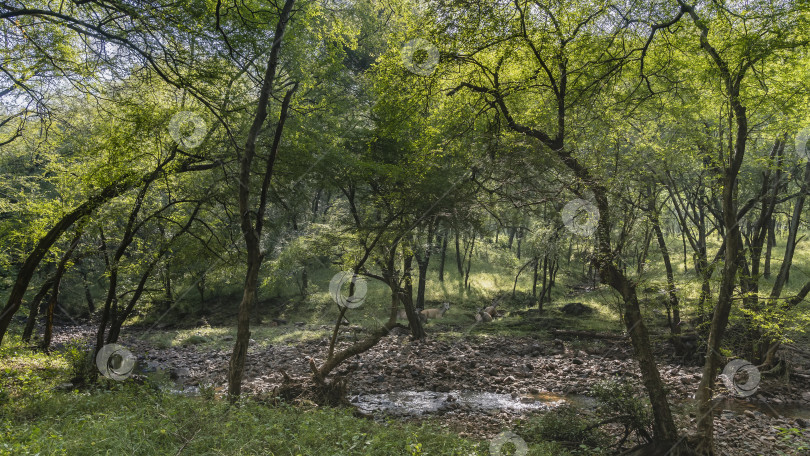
(563, 424)
(195, 339)
(618, 403)
(82, 365)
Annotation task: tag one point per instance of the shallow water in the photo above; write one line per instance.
(415, 403)
(771, 409)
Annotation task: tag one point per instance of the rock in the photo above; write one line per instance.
(227, 338)
(806, 396)
(179, 372)
(577, 361)
(749, 414)
(576, 309)
(801, 423)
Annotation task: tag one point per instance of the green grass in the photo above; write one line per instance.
(215, 338)
(139, 419)
(492, 274)
(126, 418)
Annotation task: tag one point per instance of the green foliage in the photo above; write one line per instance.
(621, 403)
(195, 339)
(82, 365)
(147, 423)
(798, 439)
(564, 424)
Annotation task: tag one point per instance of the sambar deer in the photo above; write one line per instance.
(436, 313)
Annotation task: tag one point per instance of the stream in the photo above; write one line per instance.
(418, 403)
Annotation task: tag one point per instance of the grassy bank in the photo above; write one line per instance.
(132, 418)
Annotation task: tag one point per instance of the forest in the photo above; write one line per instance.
(411, 227)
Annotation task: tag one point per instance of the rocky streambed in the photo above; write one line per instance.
(480, 386)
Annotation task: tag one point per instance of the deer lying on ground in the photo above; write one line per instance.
(483, 316)
(492, 310)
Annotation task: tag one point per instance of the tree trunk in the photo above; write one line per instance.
(251, 233)
(60, 272)
(407, 276)
(766, 272)
(119, 319)
(459, 258)
(790, 243)
(736, 153)
(88, 294)
(547, 284)
(168, 284)
(444, 254)
(642, 259)
(469, 263)
(422, 284)
(675, 324)
(33, 310)
(664, 429)
(44, 244)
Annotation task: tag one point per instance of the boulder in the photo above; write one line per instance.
(576, 309)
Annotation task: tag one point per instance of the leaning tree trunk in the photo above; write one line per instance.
(44, 244)
(60, 272)
(33, 311)
(664, 429)
(118, 322)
